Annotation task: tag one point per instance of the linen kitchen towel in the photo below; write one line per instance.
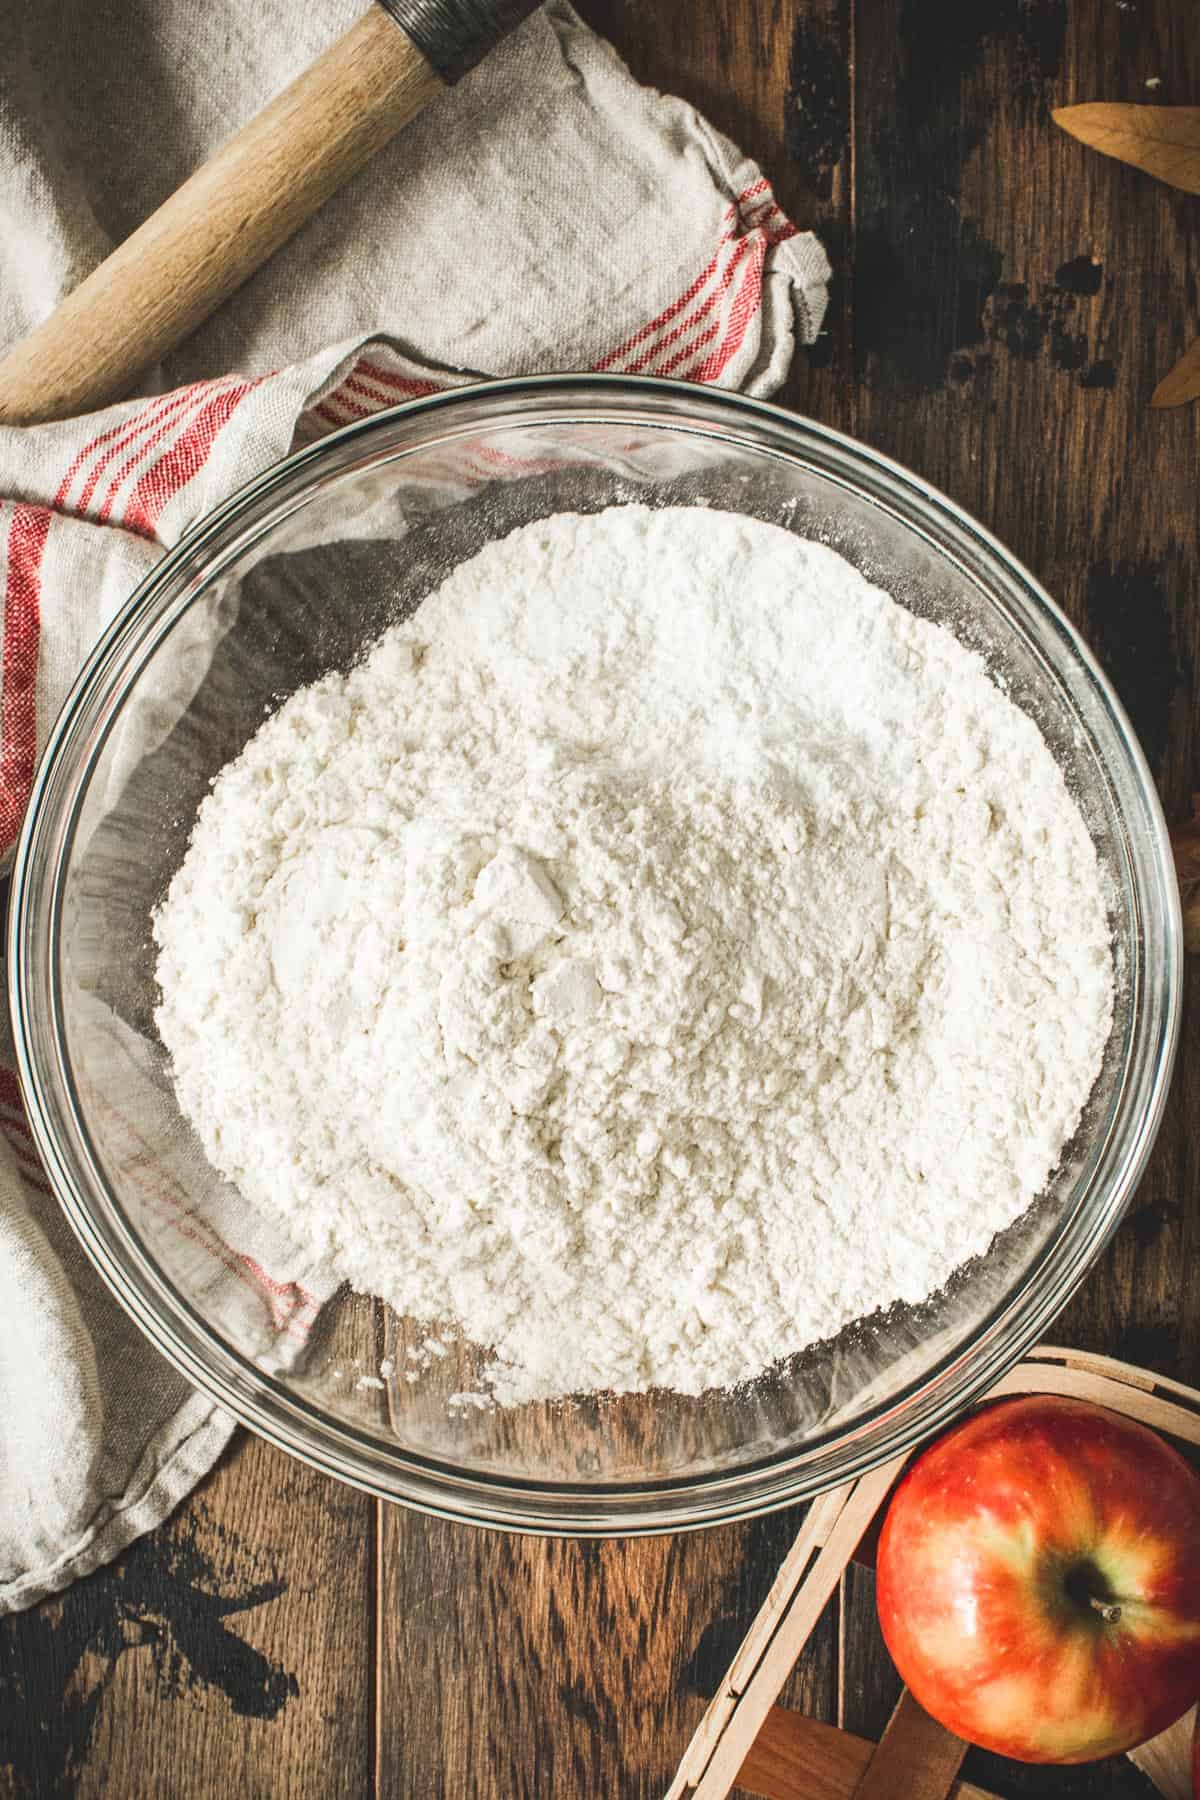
(546, 214)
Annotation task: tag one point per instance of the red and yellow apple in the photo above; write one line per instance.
(1038, 1581)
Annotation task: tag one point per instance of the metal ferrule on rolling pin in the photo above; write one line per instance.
(454, 35)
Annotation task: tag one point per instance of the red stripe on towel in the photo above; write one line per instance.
(183, 461)
(745, 306)
(668, 313)
(22, 630)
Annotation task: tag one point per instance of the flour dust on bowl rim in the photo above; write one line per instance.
(293, 578)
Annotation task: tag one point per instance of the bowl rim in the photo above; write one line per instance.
(335, 1446)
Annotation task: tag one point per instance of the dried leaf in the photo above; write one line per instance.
(1163, 140)
(1183, 382)
(1185, 846)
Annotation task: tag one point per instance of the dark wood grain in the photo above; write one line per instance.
(1003, 305)
(521, 1668)
(869, 1686)
(1015, 298)
(229, 1653)
(301, 1700)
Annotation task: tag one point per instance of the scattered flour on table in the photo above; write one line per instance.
(661, 950)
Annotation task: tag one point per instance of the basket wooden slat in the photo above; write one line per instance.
(915, 1757)
(773, 1643)
(745, 1736)
(1167, 1759)
(794, 1758)
(810, 1539)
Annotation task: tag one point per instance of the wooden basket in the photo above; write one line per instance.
(745, 1740)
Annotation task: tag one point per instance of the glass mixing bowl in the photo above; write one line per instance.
(295, 576)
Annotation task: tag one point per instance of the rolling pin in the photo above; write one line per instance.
(236, 211)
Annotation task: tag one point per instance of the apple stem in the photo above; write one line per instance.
(1108, 1611)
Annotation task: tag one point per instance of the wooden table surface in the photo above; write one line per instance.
(1004, 303)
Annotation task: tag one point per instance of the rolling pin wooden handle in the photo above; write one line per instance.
(221, 225)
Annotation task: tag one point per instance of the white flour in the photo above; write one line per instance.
(661, 951)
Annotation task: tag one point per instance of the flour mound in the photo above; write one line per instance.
(662, 950)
